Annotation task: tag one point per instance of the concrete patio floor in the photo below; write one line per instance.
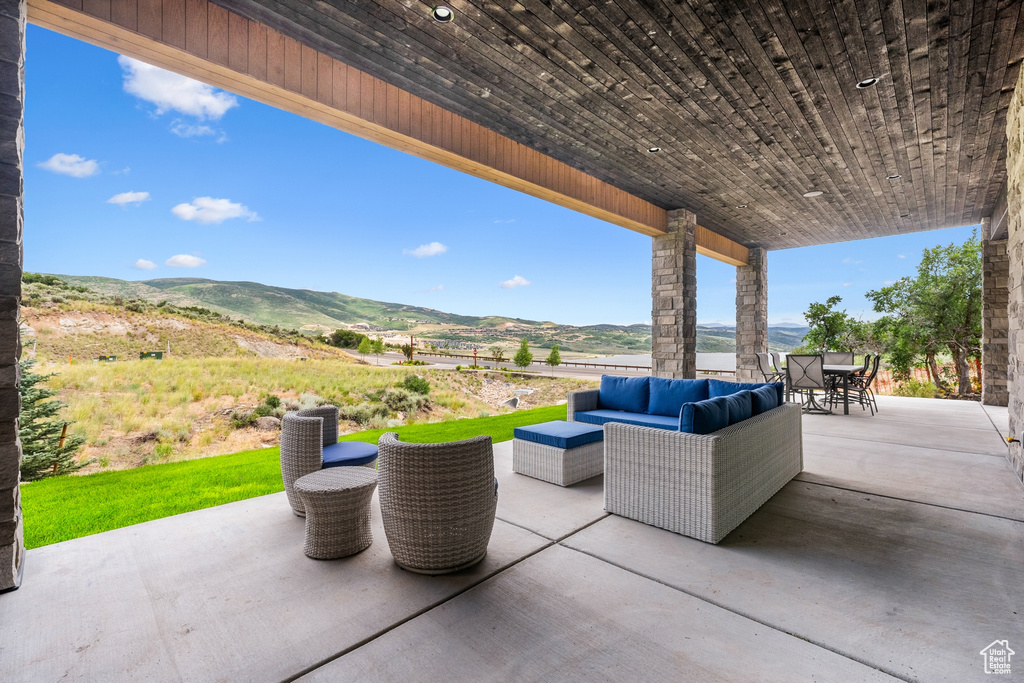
(897, 554)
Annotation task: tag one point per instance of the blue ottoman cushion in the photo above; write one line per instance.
(560, 434)
(349, 453)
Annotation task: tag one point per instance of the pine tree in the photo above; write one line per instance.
(43, 455)
(523, 357)
(554, 359)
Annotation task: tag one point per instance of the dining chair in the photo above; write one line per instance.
(838, 358)
(764, 365)
(860, 387)
(805, 375)
(777, 363)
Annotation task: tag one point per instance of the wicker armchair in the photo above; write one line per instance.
(437, 501)
(702, 486)
(304, 433)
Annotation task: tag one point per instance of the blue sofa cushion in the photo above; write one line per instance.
(669, 395)
(560, 434)
(602, 416)
(717, 387)
(740, 406)
(629, 394)
(764, 399)
(349, 453)
(704, 417)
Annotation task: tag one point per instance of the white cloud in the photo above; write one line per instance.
(172, 92)
(517, 281)
(72, 165)
(432, 249)
(210, 210)
(509, 220)
(889, 282)
(128, 198)
(439, 288)
(901, 256)
(847, 284)
(184, 261)
(143, 264)
(184, 129)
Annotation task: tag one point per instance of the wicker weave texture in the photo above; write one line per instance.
(330, 418)
(562, 466)
(301, 452)
(702, 486)
(581, 400)
(337, 504)
(437, 502)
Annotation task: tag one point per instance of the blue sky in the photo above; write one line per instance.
(135, 174)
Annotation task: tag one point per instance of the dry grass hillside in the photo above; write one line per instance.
(199, 400)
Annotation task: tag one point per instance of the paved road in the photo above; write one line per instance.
(561, 371)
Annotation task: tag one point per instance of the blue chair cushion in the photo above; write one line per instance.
(600, 417)
(764, 399)
(349, 453)
(669, 395)
(629, 394)
(740, 406)
(560, 434)
(704, 417)
(717, 387)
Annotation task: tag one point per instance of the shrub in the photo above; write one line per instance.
(273, 401)
(404, 400)
(416, 384)
(363, 413)
(917, 389)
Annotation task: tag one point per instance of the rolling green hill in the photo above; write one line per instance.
(297, 308)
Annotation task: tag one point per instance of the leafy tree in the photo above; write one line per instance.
(523, 357)
(43, 454)
(497, 353)
(407, 350)
(345, 339)
(377, 348)
(937, 310)
(554, 359)
(831, 329)
(365, 346)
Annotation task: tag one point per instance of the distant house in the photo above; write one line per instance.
(997, 657)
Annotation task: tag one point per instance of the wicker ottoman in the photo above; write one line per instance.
(337, 502)
(559, 452)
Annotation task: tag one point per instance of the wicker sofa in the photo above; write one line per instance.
(698, 485)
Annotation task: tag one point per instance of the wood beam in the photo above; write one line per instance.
(226, 50)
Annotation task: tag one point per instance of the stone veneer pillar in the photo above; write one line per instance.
(12, 91)
(751, 315)
(995, 356)
(674, 298)
(1015, 253)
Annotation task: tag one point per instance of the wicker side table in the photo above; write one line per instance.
(337, 503)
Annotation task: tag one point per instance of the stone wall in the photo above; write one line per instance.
(1015, 252)
(751, 315)
(995, 357)
(674, 298)
(12, 137)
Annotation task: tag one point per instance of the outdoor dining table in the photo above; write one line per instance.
(845, 371)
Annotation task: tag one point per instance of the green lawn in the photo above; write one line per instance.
(63, 508)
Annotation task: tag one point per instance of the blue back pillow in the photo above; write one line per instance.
(717, 387)
(764, 399)
(740, 406)
(624, 393)
(704, 417)
(669, 395)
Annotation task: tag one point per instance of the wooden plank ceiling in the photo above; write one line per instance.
(753, 103)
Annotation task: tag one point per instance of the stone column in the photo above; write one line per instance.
(12, 91)
(751, 315)
(1015, 281)
(674, 298)
(995, 356)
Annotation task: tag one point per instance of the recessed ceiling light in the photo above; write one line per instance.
(813, 193)
(904, 215)
(892, 176)
(783, 234)
(654, 150)
(741, 206)
(867, 83)
(443, 15)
